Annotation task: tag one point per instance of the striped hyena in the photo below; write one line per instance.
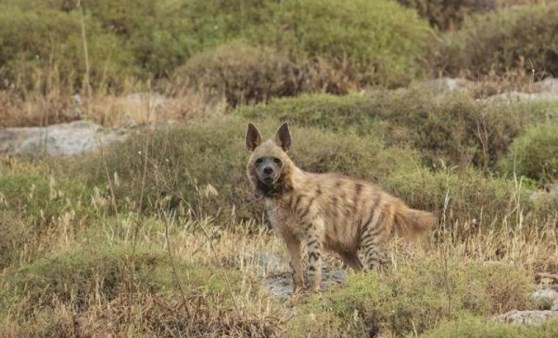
(328, 211)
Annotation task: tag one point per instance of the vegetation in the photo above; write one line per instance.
(502, 41)
(447, 129)
(477, 327)
(160, 235)
(534, 154)
(449, 14)
(415, 298)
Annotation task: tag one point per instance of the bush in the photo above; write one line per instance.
(40, 198)
(498, 42)
(243, 74)
(101, 273)
(108, 288)
(416, 296)
(449, 129)
(370, 42)
(535, 154)
(474, 202)
(15, 235)
(384, 43)
(475, 327)
(239, 73)
(43, 49)
(375, 42)
(448, 14)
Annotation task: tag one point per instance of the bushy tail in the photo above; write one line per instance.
(412, 223)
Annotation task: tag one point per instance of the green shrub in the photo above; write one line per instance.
(450, 129)
(41, 198)
(448, 14)
(535, 154)
(104, 272)
(472, 198)
(377, 42)
(416, 296)
(475, 327)
(158, 33)
(42, 48)
(15, 234)
(498, 42)
(239, 73)
(369, 42)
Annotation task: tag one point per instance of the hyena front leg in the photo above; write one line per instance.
(293, 243)
(293, 246)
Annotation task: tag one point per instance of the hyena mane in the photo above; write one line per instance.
(326, 211)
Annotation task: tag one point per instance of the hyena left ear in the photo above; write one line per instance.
(283, 137)
(253, 137)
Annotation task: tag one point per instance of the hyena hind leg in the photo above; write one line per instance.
(374, 257)
(372, 240)
(351, 259)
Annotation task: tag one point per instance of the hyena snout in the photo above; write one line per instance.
(268, 169)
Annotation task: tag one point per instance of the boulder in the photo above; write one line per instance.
(71, 138)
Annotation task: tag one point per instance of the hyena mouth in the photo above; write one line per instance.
(268, 181)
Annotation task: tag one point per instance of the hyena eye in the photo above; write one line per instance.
(277, 160)
(258, 161)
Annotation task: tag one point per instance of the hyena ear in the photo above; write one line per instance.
(253, 137)
(283, 137)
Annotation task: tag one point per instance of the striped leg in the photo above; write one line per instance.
(314, 263)
(373, 237)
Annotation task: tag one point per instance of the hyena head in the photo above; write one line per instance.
(269, 167)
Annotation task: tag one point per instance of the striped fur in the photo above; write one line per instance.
(326, 211)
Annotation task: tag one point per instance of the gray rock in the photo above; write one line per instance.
(281, 286)
(60, 139)
(151, 99)
(522, 97)
(548, 85)
(555, 306)
(447, 84)
(530, 317)
(268, 260)
(545, 297)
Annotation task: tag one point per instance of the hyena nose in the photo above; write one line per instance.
(267, 170)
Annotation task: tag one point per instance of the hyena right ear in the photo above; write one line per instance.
(253, 137)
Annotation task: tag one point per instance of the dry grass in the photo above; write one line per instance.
(227, 295)
(131, 108)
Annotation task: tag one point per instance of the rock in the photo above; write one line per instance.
(555, 306)
(153, 100)
(530, 317)
(548, 85)
(60, 139)
(522, 97)
(447, 84)
(545, 297)
(268, 260)
(281, 286)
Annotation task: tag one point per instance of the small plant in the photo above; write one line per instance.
(534, 154)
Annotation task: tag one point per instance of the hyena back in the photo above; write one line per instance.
(326, 211)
